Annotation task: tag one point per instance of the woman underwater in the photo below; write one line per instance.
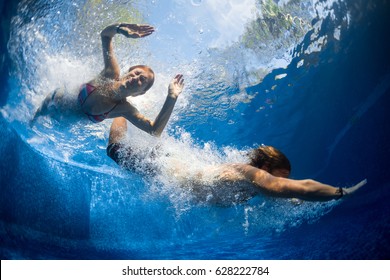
(105, 96)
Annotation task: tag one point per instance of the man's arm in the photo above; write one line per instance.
(303, 189)
(111, 67)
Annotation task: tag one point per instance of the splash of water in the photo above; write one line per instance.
(216, 76)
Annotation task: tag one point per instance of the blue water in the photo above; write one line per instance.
(323, 101)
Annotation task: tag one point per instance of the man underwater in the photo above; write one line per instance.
(266, 172)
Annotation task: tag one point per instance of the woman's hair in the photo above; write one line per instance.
(146, 68)
(269, 158)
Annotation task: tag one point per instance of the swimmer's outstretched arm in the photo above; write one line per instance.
(111, 67)
(157, 126)
(303, 189)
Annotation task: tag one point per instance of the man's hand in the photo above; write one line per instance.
(176, 86)
(135, 30)
(355, 187)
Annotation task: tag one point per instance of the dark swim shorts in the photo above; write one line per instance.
(122, 155)
(131, 160)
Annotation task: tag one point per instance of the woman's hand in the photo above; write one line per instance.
(134, 30)
(176, 86)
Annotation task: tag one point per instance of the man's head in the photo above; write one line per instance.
(139, 79)
(271, 160)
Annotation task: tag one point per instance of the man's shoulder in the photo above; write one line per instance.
(231, 172)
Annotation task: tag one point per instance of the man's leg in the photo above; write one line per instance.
(117, 134)
(117, 131)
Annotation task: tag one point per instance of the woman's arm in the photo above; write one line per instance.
(111, 67)
(155, 128)
(174, 90)
(303, 189)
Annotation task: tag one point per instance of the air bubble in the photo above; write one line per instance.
(196, 2)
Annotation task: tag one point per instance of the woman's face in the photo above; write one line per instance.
(137, 80)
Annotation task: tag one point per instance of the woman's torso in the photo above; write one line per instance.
(98, 97)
